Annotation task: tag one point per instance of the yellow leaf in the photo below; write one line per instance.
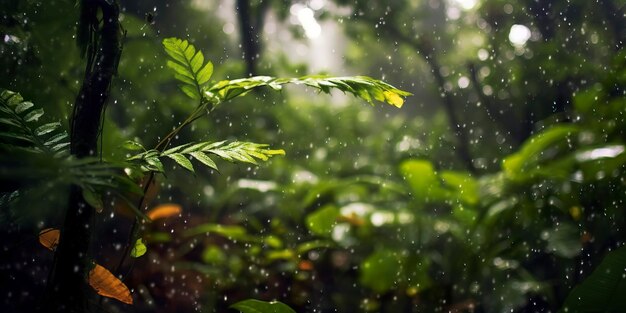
(163, 211)
(107, 285)
(49, 238)
(393, 98)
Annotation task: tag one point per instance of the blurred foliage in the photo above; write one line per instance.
(370, 210)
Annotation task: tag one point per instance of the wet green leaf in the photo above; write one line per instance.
(256, 306)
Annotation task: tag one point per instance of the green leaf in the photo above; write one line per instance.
(155, 164)
(423, 180)
(181, 160)
(133, 146)
(232, 232)
(322, 221)
(381, 270)
(464, 186)
(56, 138)
(204, 159)
(23, 107)
(213, 255)
(603, 290)
(93, 199)
(190, 91)
(363, 87)
(33, 115)
(47, 128)
(139, 249)
(205, 73)
(188, 66)
(523, 164)
(257, 306)
(311, 245)
(236, 151)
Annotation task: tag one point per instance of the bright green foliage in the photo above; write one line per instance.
(603, 290)
(232, 232)
(188, 64)
(539, 148)
(364, 87)
(139, 249)
(23, 130)
(381, 270)
(322, 221)
(256, 306)
(236, 151)
(190, 69)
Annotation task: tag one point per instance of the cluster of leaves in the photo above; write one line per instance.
(20, 129)
(236, 151)
(190, 69)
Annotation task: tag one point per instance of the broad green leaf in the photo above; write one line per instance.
(181, 160)
(322, 221)
(521, 164)
(464, 186)
(139, 249)
(423, 180)
(381, 270)
(213, 255)
(256, 306)
(603, 290)
(273, 241)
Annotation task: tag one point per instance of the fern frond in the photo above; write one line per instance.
(20, 129)
(236, 151)
(190, 69)
(366, 88)
(188, 65)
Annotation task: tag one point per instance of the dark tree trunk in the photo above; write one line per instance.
(67, 289)
(250, 28)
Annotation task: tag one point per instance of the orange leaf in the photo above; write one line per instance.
(106, 284)
(163, 211)
(305, 265)
(49, 238)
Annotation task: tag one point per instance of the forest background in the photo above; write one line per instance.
(498, 186)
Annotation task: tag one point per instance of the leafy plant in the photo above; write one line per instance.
(602, 290)
(20, 118)
(99, 177)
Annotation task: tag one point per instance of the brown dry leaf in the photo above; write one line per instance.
(107, 285)
(163, 211)
(49, 238)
